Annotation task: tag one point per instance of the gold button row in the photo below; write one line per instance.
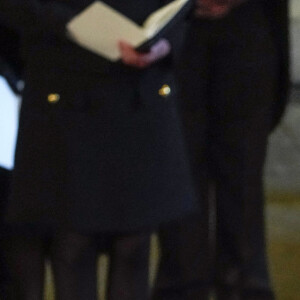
(164, 91)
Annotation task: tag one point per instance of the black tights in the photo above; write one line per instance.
(74, 264)
(73, 258)
(25, 256)
(128, 276)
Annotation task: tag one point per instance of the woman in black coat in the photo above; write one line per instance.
(99, 149)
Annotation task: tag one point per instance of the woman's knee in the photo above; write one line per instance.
(70, 248)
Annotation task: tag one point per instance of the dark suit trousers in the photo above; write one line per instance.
(228, 79)
(4, 276)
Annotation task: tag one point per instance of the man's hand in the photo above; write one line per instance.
(215, 9)
(133, 58)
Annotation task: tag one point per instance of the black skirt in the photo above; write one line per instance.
(100, 153)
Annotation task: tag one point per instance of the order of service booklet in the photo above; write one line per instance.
(99, 27)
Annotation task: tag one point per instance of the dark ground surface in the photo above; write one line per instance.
(283, 205)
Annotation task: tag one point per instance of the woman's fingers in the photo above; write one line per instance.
(136, 59)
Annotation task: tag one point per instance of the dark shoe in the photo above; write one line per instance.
(167, 295)
(196, 294)
(8, 293)
(256, 294)
(227, 293)
(188, 294)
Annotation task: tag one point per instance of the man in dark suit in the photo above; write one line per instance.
(234, 84)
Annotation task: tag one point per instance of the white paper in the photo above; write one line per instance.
(157, 20)
(9, 119)
(99, 27)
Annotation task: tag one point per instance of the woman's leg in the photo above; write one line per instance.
(128, 277)
(74, 263)
(25, 255)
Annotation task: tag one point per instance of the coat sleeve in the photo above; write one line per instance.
(277, 12)
(25, 15)
(10, 76)
(284, 72)
(176, 35)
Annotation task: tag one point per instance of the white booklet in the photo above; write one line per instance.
(100, 27)
(9, 119)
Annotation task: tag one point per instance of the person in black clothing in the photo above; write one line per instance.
(11, 70)
(99, 153)
(5, 279)
(11, 63)
(234, 86)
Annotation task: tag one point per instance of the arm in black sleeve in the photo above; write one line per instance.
(176, 35)
(281, 16)
(11, 77)
(26, 14)
(277, 13)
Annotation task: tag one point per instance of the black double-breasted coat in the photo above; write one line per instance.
(99, 145)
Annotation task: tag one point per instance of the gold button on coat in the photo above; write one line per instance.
(164, 91)
(53, 98)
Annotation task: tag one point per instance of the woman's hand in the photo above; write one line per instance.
(215, 9)
(133, 58)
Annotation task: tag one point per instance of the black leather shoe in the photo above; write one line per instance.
(227, 293)
(167, 295)
(257, 294)
(190, 294)
(201, 293)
